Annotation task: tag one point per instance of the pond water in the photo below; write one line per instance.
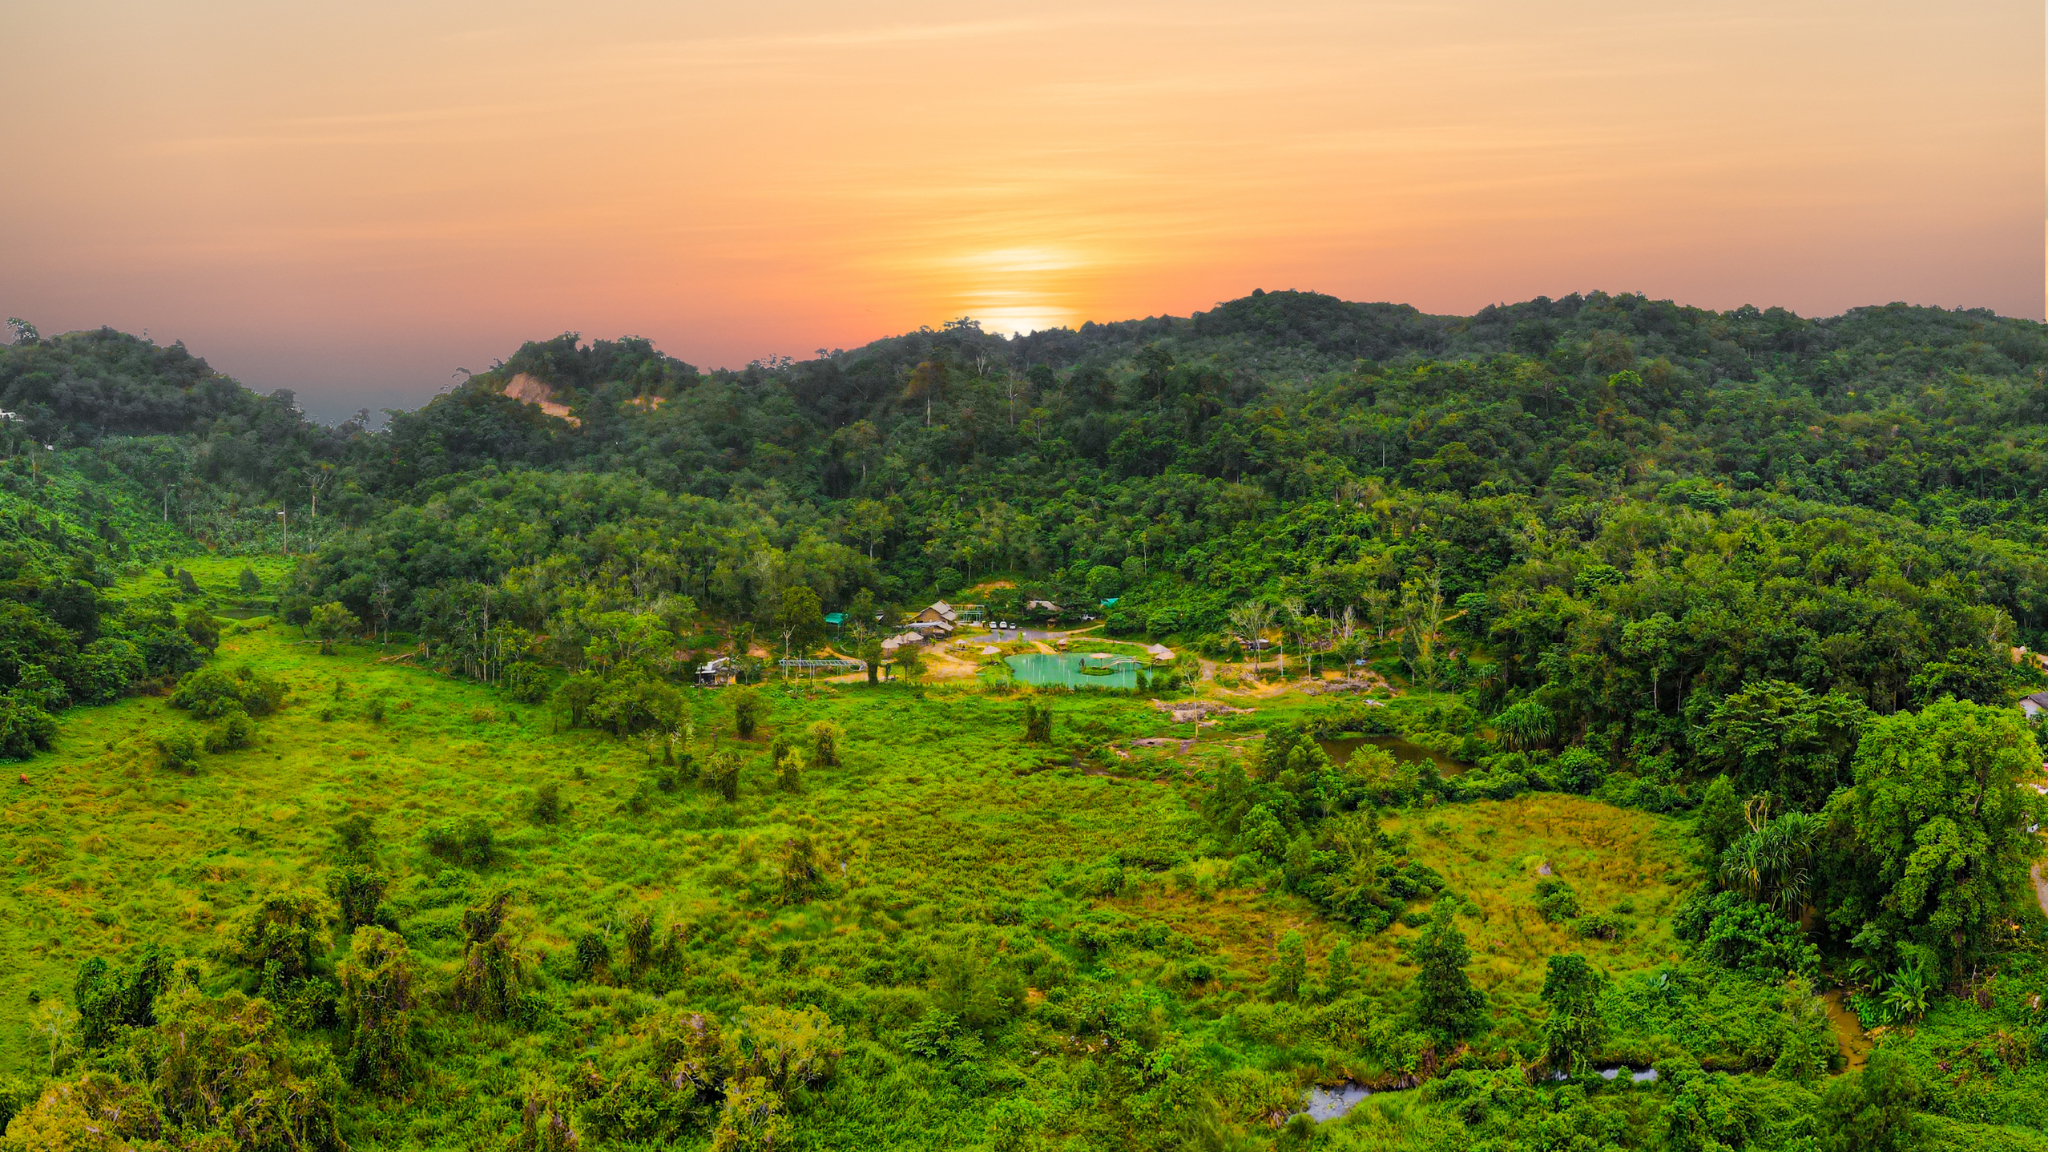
(1340, 749)
(1045, 670)
(241, 613)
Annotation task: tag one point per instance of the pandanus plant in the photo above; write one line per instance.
(1769, 863)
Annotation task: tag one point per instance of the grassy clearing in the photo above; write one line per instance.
(942, 836)
(110, 849)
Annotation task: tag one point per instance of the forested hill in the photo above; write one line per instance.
(947, 454)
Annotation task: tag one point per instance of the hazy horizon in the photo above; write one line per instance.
(335, 407)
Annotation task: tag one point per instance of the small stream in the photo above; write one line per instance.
(1848, 1030)
(1333, 1102)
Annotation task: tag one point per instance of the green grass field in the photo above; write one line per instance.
(948, 845)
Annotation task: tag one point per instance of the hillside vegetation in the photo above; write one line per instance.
(1591, 723)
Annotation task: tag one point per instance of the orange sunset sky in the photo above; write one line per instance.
(352, 200)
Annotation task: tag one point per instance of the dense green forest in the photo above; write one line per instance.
(1678, 731)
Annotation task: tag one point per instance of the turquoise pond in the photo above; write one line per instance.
(1063, 670)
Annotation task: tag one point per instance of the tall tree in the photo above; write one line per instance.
(1939, 818)
(1446, 1004)
(1576, 1028)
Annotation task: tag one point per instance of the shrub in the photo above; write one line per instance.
(591, 957)
(487, 984)
(280, 931)
(211, 693)
(179, 752)
(330, 622)
(1599, 927)
(111, 998)
(546, 806)
(234, 731)
(825, 740)
(356, 889)
(802, 875)
(377, 997)
(1037, 723)
(200, 625)
(747, 708)
(789, 771)
(106, 668)
(1578, 771)
(355, 837)
(1556, 901)
(248, 581)
(25, 728)
(466, 841)
(527, 683)
(722, 772)
(1730, 930)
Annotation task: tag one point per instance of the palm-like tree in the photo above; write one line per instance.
(1769, 864)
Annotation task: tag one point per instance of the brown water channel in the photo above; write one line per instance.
(1848, 1031)
(1340, 749)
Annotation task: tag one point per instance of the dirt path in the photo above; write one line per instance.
(2040, 889)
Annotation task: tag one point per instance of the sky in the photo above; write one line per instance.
(354, 200)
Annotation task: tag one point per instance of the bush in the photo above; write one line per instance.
(234, 731)
(1556, 901)
(210, 693)
(1730, 930)
(356, 889)
(106, 669)
(200, 625)
(546, 806)
(25, 729)
(1578, 771)
(248, 581)
(527, 683)
(179, 752)
(377, 989)
(330, 622)
(825, 740)
(802, 872)
(722, 772)
(467, 841)
(1037, 723)
(747, 709)
(1599, 927)
(280, 936)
